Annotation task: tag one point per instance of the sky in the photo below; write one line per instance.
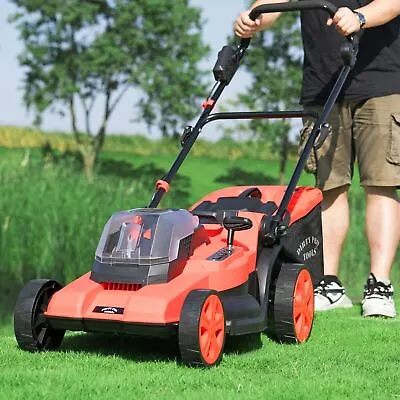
(219, 16)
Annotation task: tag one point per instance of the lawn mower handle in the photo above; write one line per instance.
(289, 6)
(293, 6)
(228, 62)
(348, 49)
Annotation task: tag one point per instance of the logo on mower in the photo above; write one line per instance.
(308, 248)
(108, 310)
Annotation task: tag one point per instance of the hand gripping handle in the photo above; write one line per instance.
(289, 6)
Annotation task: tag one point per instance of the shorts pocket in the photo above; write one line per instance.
(393, 153)
(311, 163)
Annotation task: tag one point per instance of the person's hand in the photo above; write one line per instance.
(345, 21)
(244, 27)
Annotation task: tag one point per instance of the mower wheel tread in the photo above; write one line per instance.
(32, 331)
(202, 329)
(292, 308)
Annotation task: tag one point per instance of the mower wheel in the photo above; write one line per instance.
(202, 329)
(32, 331)
(292, 306)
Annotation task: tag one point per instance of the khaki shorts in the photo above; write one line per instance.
(367, 131)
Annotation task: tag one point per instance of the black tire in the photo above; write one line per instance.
(291, 304)
(202, 329)
(32, 331)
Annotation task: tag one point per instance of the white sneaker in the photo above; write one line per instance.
(330, 294)
(378, 299)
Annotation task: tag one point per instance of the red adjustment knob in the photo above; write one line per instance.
(207, 103)
(160, 184)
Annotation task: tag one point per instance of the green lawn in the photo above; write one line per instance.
(202, 175)
(51, 216)
(346, 357)
(52, 226)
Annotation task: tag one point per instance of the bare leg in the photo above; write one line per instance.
(330, 293)
(382, 223)
(335, 225)
(383, 228)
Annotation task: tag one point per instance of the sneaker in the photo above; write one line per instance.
(378, 299)
(330, 294)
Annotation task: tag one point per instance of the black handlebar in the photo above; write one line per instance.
(289, 6)
(227, 64)
(293, 6)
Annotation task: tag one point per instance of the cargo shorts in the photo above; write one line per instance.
(366, 132)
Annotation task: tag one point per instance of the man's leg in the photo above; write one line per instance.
(334, 171)
(383, 233)
(383, 228)
(376, 133)
(330, 293)
(335, 225)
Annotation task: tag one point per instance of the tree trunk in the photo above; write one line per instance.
(89, 156)
(283, 155)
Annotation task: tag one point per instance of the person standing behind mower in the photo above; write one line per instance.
(365, 125)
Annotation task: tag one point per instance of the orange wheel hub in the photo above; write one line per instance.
(303, 306)
(211, 329)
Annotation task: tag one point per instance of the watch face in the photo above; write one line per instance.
(361, 18)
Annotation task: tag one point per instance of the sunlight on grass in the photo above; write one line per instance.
(346, 357)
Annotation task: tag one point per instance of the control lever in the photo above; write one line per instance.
(233, 223)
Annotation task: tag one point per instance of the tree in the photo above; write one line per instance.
(82, 53)
(275, 64)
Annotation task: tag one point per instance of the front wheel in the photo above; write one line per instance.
(31, 328)
(202, 329)
(292, 304)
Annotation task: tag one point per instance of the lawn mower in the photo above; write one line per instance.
(241, 260)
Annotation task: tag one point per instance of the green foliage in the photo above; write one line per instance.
(225, 148)
(274, 61)
(89, 52)
(51, 217)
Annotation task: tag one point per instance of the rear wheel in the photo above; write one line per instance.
(292, 305)
(31, 328)
(202, 329)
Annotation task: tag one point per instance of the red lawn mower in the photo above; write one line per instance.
(241, 260)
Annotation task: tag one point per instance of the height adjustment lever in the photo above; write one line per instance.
(233, 223)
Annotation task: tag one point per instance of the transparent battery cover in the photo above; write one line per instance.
(144, 236)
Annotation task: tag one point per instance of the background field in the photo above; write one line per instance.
(51, 218)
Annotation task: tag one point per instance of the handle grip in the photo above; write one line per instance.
(293, 6)
(290, 6)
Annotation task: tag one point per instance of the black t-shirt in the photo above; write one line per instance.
(377, 70)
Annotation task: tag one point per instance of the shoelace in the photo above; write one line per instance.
(324, 288)
(373, 287)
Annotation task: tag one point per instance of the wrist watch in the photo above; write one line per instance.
(361, 18)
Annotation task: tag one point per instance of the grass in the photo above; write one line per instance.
(50, 221)
(20, 137)
(202, 175)
(51, 217)
(199, 176)
(346, 357)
